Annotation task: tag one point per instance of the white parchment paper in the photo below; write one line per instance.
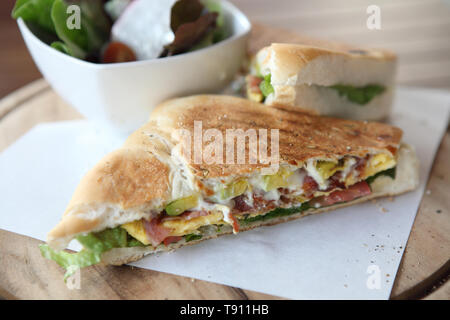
(348, 253)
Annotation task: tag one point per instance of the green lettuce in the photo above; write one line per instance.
(265, 86)
(220, 32)
(192, 237)
(389, 172)
(92, 34)
(278, 212)
(359, 95)
(94, 245)
(35, 11)
(48, 20)
(61, 46)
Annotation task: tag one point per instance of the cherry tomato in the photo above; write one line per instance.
(118, 52)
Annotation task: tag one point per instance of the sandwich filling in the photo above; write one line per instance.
(260, 87)
(222, 205)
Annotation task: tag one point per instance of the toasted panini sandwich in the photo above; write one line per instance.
(338, 81)
(156, 193)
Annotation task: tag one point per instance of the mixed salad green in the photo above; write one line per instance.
(359, 95)
(195, 23)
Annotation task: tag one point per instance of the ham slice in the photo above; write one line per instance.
(310, 186)
(155, 231)
(357, 190)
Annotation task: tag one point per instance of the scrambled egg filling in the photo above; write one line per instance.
(378, 163)
(321, 171)
(182, 226)
(178, 227)
(137, 231)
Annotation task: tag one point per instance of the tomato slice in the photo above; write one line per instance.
(171, 239)
(118, 52)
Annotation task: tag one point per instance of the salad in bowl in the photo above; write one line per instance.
(124, 30)
(115, 60)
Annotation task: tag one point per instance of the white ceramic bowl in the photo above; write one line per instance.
(119, 97)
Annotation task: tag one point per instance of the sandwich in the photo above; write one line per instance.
(334, 80)
(156, 194)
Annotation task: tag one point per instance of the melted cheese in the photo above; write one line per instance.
(352, 178)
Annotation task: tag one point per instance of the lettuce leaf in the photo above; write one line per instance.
(71, 261)
(220, 33)
(184, 11)
(196, 24)
(389, 172)
(359, 95)
(278, 212)
(192, 237)
(265, 86)
(35, 11)
(93, 32)
(61, 46)
(48, 19)
(94, 244)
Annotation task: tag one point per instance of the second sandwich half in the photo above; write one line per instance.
(153, 195)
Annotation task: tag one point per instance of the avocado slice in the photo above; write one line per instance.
(234, 189)
(178, 206)
(278, 180)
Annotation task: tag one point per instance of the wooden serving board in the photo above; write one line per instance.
(24, 274)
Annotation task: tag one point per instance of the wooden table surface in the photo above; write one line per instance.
(419, 31)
